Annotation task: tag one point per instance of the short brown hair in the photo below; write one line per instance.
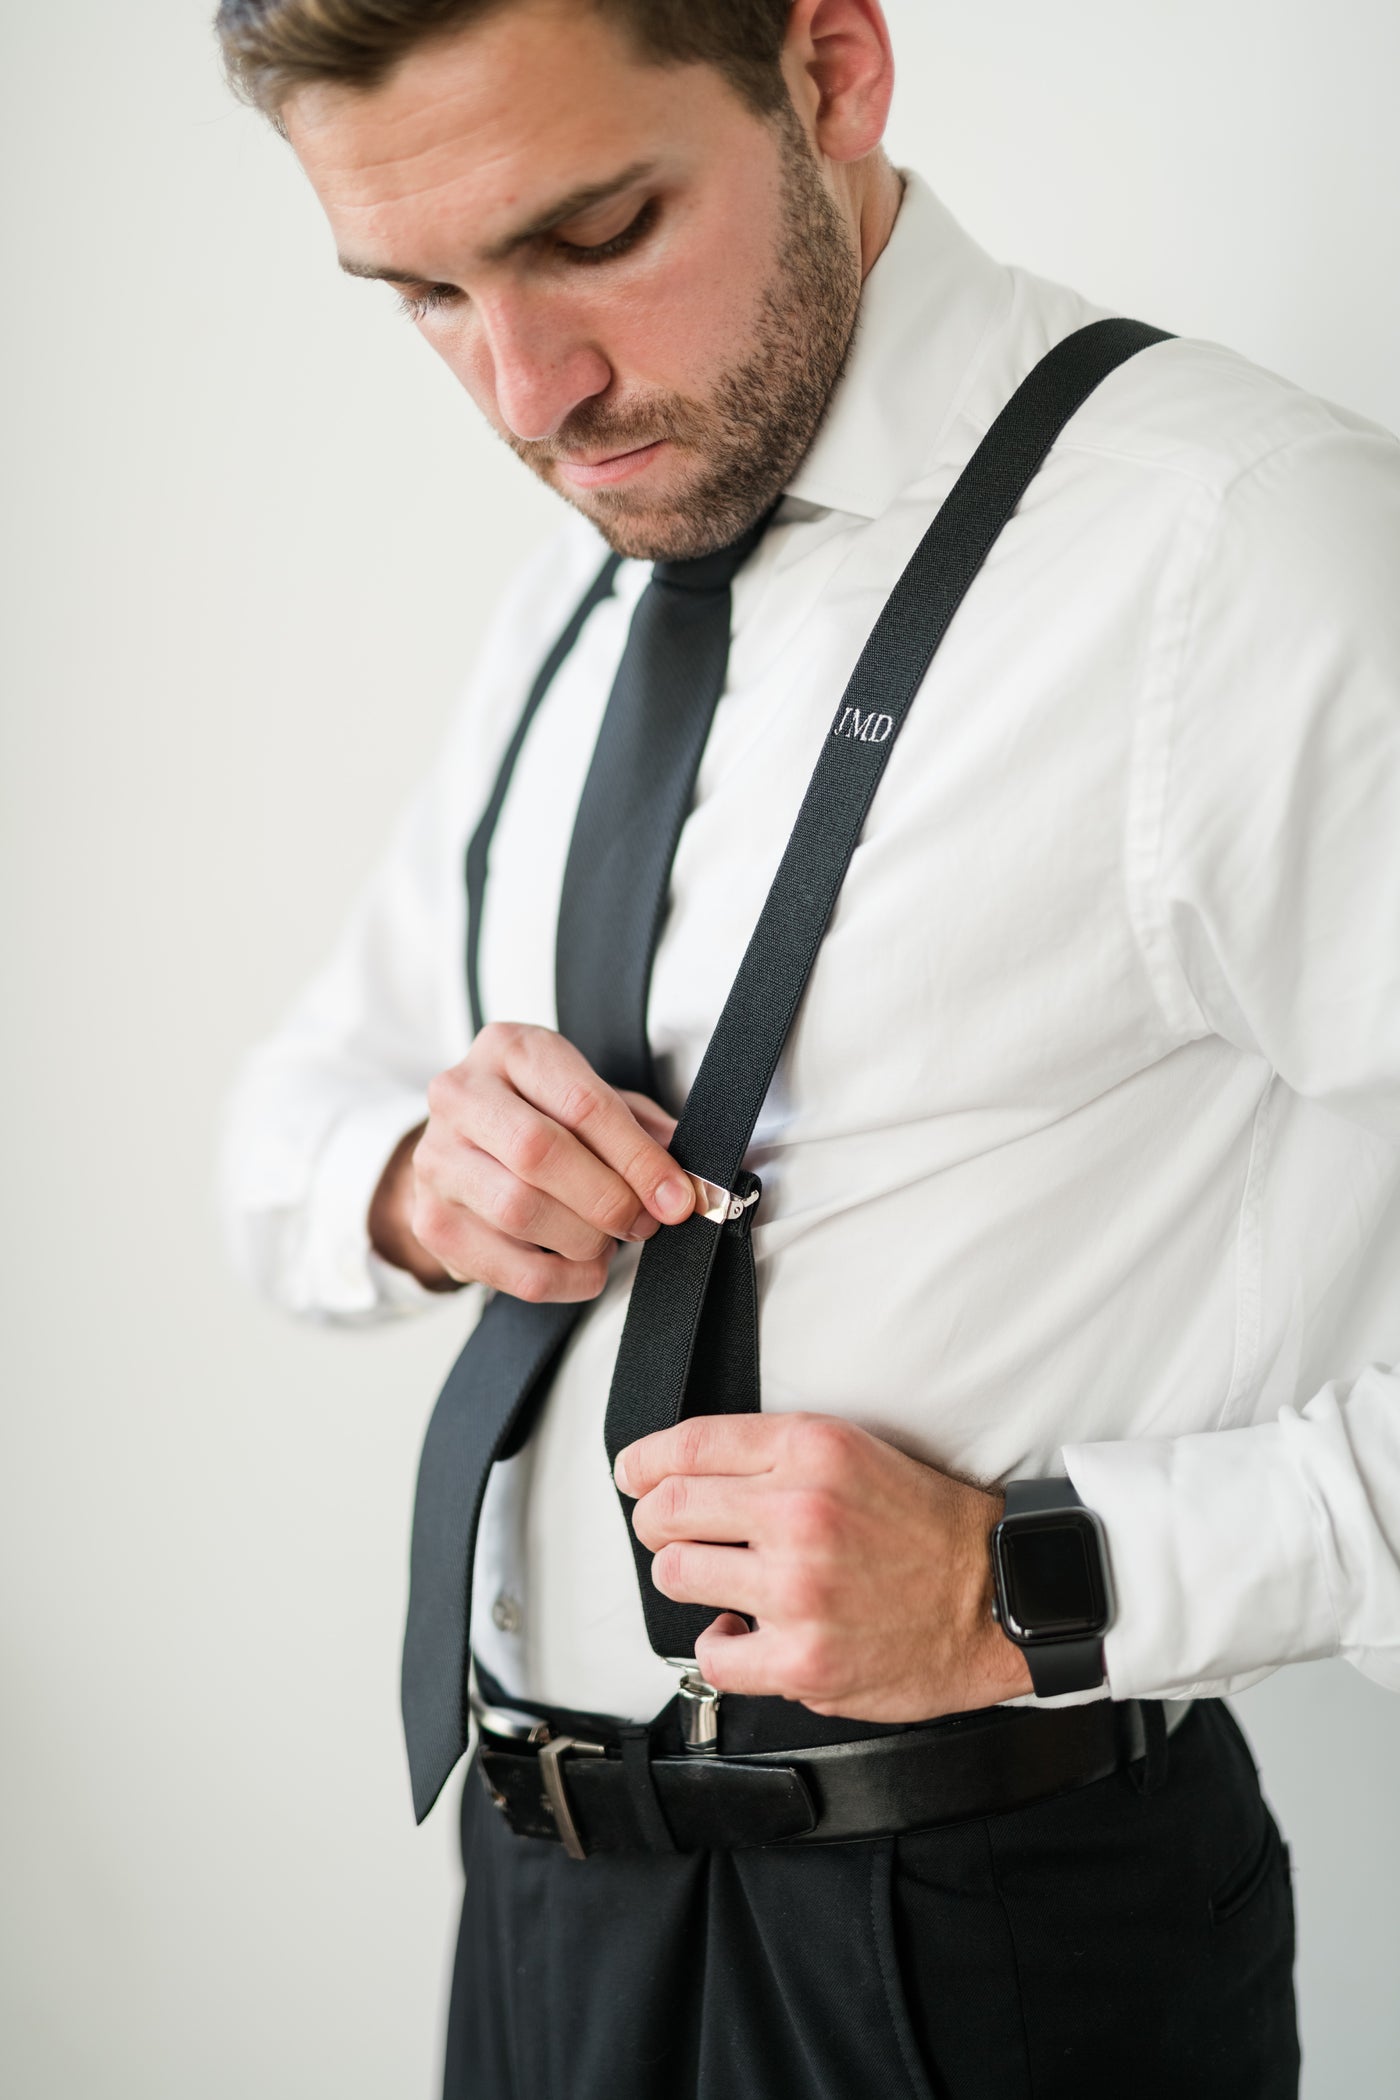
(273, 47)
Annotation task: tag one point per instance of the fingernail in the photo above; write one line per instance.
(642, 1227)
(620, 1471)
(674, 1197)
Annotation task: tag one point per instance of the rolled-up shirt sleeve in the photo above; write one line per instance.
(1274, 922)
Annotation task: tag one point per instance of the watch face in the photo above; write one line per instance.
(1051, 1577)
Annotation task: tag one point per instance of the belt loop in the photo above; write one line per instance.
(1149, 1771)
(635, 1739)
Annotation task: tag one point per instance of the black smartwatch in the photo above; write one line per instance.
(1053, 1597)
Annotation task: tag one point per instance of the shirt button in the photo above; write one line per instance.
(506, 1614)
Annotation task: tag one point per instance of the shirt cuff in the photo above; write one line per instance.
(341, 1275)
(1218, 1567)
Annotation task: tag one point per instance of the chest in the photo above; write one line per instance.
(980, 961)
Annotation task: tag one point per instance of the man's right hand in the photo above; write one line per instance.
(527, 1173)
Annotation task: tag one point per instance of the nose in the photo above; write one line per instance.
(540, 368)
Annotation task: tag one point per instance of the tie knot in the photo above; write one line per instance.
(713, 572)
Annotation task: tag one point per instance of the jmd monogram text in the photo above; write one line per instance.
(869, 727)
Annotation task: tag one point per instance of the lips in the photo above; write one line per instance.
(611, 468)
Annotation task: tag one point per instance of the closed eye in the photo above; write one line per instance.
(426, 300)
(629, 236)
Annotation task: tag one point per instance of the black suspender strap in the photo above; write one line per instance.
(479, 851)
(668, 1300)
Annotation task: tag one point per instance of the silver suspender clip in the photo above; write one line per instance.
(699, 1708)
(698, 1702)
(717, 1204)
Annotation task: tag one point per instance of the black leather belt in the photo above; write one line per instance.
(607, 1790)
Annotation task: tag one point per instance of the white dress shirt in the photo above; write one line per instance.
(1084, 1153)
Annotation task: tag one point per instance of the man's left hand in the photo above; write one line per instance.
(868, 1574)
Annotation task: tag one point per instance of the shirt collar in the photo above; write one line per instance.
(928, 303)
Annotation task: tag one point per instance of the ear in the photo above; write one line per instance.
(840, 73)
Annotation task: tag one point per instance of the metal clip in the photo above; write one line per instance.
(699, 1709)
(504, 1721)
(718, 1204)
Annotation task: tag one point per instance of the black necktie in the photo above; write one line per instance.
(639, 788)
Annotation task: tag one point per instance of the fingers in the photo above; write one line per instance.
(480, 1110)
(702, 1444)
(531, 1168)
(765, 1664)
(682, 1506)
(550, 1073)
(733, 1659)
(728, 1577)
(480, 1184)
(473, 1252)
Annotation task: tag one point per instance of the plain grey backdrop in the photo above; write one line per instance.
(252, 534)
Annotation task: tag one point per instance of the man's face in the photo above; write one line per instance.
(646, 287)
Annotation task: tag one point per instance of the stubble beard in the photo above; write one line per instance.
(763, 412)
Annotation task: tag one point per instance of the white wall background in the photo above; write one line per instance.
(252, 533)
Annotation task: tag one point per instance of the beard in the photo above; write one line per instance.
(762, 413)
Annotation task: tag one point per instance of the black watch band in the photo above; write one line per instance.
(1056, 1666)
(1066, 1666)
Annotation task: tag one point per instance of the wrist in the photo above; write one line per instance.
(1000, 1666)
(390, 1234)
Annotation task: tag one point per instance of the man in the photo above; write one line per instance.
(1079, 1170)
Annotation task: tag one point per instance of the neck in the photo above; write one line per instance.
(879, 192)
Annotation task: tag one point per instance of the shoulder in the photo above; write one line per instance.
(1245, 447)
(1287, 504)
(1267, 738)
(1220, 498)
(1277, 511)
(1191, 423)
(1280, 515)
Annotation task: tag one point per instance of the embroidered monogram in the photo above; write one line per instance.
(869, 727)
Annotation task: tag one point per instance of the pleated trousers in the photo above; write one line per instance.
(1117, 1943)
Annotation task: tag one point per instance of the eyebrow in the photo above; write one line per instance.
(558, 214)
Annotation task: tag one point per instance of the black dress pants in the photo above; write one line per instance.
(1115, 1944)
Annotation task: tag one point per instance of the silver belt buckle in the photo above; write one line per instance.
(552, 1751)
(511, 1727)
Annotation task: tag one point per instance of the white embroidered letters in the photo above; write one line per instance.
(868, 728)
